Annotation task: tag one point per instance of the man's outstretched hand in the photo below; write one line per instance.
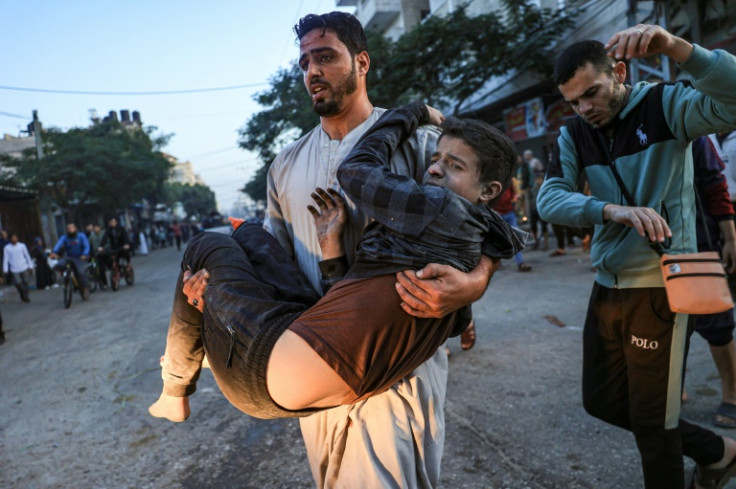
(194, 285)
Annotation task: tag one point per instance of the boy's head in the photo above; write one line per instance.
(473, 159)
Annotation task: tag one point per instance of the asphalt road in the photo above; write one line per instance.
(75, 385)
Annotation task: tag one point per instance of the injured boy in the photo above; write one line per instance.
(275, 348)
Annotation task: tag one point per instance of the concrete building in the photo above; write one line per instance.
(526, 105)
(19, 207)
(183, 172)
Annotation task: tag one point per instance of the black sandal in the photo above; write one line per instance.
(713, 478)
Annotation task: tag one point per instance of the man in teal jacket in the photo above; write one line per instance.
(639, 138)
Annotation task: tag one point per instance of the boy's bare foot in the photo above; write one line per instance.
(174, 409)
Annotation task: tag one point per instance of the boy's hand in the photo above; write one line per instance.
(435, 116)
(194, 286)
(329, 221)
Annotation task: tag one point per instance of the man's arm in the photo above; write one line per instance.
(274, 221)
(27, 256)
(85, 244)
(706, 107)
(437, 290)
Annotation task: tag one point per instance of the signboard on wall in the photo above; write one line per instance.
(557, 114)
(536, 123)
(526, 120)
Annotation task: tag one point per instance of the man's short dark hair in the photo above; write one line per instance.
(578, 55)
(348, 29)
(494, 149)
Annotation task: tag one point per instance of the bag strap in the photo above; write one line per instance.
(657, 247)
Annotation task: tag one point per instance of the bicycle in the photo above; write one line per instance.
(127, 272)
(93, 275)
(69, 278)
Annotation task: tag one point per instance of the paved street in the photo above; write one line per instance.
(75, 385)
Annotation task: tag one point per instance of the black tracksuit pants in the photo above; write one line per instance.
(634, 352)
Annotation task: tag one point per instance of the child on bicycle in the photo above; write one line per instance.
(272, 354)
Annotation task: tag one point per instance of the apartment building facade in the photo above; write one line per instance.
(526, 105)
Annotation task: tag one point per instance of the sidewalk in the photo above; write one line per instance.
(75, 385)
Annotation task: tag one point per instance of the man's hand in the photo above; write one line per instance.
(329, 220)
(437, 290)
(643, 41)
(647, 222)
(126, 247)
(84, 258)
(194, 285)
(53, 256)
(728, 249)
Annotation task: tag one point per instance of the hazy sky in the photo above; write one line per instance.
(151, 46)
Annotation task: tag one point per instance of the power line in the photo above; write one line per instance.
(162, 92)
(213, 152)
(8, 114)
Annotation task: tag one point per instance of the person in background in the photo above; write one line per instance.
(3, 241)
(95, 237)
(76, 246)
(142, 242)
(724, 143)
(44, 274)
(115, 244)
(17, 262)
(716, 232)
(176, 229)
(505, 207)
(537, 226)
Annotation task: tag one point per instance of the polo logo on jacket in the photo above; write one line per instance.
(642, 135)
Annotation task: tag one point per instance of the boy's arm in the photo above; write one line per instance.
(396, 201)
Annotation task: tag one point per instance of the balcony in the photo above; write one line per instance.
(377, 14)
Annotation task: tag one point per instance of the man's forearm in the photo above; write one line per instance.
(482, 274)
(728, 231)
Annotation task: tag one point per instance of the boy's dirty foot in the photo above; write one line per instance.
(174, 409)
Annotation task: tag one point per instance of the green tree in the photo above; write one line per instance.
(100, 168)
(444, 61)
(198, 200)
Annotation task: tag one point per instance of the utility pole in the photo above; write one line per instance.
(50, 221)
(37, 135)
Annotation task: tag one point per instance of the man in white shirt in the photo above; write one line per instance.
(17, 261)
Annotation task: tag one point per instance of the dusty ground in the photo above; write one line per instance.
(75, 385)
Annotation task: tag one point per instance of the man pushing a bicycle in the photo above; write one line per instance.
(76, 248)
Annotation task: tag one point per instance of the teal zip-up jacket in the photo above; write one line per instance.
(650, 150)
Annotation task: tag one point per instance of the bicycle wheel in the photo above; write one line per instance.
(92, 277)
(68, 289)
(129, 274)
(114, 278)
